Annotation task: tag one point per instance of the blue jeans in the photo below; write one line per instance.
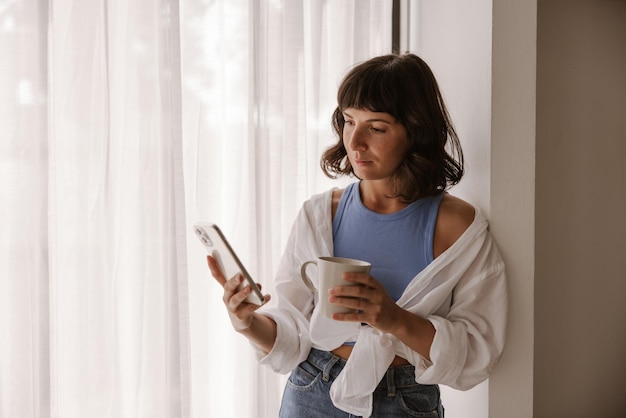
(307, 394)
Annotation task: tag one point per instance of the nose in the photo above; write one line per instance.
(355, 138)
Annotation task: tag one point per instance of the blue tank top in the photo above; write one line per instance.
(399, 245)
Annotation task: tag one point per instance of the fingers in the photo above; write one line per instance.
(368, 299)
(363, 279)
(362, 310)
(367, 288)
(232, 290)
(358, 304)
(349, 317)
(234, 297)
(216, 272)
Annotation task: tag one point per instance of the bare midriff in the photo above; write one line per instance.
(345, 350)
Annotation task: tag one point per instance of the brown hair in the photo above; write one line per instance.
(405, 87)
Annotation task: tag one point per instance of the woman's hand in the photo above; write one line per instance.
(371, 301)
(375, 307)
(240, 312)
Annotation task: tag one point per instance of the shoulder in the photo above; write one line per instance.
(454, 217)
(316, 207)
(336, 197)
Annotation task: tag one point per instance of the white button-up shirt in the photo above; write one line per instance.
(462, 292)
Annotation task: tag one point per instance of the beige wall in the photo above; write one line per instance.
(459, 52)
(461, 61)
(489, 86)
(546, 142)
(513, 96)
(580, 277)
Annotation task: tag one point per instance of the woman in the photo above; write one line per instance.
(433, 308)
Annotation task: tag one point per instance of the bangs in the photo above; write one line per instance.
(404, 87)
(374, 90)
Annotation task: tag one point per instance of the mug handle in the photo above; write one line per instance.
(305, 278)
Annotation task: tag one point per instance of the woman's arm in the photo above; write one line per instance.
(258, 328)
(377, 308)
(261, 332)
(453, 219)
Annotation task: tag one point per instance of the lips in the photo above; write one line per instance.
(361, 162)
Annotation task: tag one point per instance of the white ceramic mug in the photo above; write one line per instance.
(329, 272)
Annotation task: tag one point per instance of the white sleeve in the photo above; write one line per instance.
(469, 340)
(293, 302)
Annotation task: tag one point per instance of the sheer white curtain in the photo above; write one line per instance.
(24, 302)
(93, 281)
(259, 87)
(106, 306)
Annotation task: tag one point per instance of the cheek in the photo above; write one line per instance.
(345, 141)
(400, 154)
(402, 148)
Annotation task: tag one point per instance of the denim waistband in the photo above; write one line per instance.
(331, 365)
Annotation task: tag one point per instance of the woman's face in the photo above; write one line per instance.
(376, 143)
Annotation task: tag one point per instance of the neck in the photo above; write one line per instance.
(376, 197)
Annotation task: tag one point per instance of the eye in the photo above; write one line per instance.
(378, 130)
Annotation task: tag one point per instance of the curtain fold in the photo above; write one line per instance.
(259, 86)
(24, 329)
(94, 248)
(111, 147)
(117, 260)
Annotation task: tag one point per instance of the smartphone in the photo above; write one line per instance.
(218, 247)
